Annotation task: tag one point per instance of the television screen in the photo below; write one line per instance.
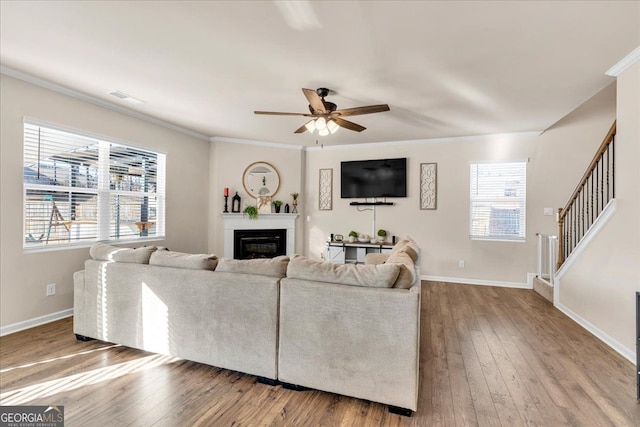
(373, 178)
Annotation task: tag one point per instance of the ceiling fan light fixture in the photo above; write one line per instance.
(310, 126)
(321, 123)
(323, 132)
(332, 126)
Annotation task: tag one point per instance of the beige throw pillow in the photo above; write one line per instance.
(404, 261)
(182, 260)
(274, 267)
(104, 252)
(378, 276)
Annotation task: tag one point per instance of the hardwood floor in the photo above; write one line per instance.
(489, 356)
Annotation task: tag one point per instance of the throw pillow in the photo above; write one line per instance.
(407, 274)
(378, 275)
(274, 267)
(104, 252)
(182, 260)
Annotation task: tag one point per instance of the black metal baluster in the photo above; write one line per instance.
(608, 174)
(613, 166)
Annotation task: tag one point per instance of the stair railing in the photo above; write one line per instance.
(595, 190)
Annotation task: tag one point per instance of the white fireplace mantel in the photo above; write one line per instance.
(239, 221)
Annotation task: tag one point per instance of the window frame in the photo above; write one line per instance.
(492, 200)
(102, 191)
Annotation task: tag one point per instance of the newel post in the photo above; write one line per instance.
(560, 238)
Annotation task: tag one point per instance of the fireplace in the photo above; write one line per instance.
(249, 244)
(233, 222)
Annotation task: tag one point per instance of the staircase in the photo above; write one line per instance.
(594, 192)
(588, 208)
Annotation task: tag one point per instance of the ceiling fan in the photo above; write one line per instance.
(326, 117)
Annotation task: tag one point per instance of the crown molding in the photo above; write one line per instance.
(259, 143)
(10, 72)
(448, 139)
(624, 63)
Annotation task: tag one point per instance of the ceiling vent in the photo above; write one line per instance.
(126, 97)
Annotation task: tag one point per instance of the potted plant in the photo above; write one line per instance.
(353, 235)
(295, 202)
(252, 211)
(276, 205)
(381, 235)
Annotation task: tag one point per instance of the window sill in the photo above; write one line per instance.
(85, 245)
(488, 239)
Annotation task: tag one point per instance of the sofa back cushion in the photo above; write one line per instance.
(273, 267)
(103, 252)
(182, 260)
(378, 276)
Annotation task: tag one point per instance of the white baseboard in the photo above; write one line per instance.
(31, 323)
(478, 282)
(625, 352)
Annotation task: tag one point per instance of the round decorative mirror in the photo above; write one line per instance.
(261, 179)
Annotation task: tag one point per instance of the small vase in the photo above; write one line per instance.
(286, 208)
(277, 208)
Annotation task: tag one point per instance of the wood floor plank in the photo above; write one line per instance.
(489, 356)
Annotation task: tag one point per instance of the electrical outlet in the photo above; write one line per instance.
(51, 289)
(461, 263)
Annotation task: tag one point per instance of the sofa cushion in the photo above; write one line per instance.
(407, 274)
(375, 258)
(104, 252)
(182, 260)
(378, 276)
(409, 245)
(274, 267)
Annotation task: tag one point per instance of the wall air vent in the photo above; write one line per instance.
(126, 97)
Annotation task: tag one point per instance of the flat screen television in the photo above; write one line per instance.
(373, 178)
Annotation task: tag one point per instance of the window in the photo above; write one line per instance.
(498, 201)
(80, 189)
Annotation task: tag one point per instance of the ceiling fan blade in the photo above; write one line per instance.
(368, 109)
(348, 125)
(302, 128)
(276, 113)
(315, 101)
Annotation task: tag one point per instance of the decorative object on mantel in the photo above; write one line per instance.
(264, 204)
(428, 185)
(226, 200)
(295, 202)
(286, 208)
(261, 179)
(381, 235)
(252, 211)
(276, 205)
(325, 200)
(235, 203)
(353, 235)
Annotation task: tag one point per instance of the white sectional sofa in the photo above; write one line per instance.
(347, 329)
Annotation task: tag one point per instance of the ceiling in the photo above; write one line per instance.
(445, 68)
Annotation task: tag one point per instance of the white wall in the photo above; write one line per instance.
(23, 276)
(229, 160)
(600, 286)
(557, 161)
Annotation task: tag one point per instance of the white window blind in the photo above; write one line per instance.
(498, 200)
(79, 189)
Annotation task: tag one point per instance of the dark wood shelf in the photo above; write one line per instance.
(371, 203)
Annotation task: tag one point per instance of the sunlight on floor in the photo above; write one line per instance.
(68, 356)
(48, 388)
